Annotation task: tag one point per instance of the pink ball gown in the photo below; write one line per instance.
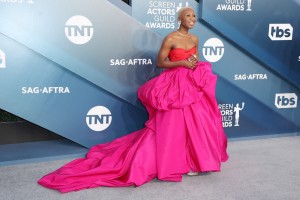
(184, 133)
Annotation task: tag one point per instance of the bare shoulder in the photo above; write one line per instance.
(169, 39)
(194, 38)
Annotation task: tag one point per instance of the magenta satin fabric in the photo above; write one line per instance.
(184, 132)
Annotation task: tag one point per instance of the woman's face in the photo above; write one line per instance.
(188, 18)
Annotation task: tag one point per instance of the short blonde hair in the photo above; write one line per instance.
(180, 11)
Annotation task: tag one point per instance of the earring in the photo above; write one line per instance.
(179, 22)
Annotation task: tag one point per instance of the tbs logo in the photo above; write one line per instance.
(286, 100)
(280, 32)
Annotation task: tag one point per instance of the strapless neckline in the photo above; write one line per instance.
(179, 53)
(181, 48)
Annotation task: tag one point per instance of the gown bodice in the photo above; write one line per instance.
(177, 54)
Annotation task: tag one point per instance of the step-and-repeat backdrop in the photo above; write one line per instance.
(74, 67)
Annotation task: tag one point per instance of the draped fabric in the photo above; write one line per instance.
(183, 133)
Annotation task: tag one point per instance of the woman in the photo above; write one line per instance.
(184, 133)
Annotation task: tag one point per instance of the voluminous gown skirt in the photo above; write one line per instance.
(184, 133)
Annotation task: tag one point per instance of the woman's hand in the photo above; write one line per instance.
(193, 58)
(191, 62)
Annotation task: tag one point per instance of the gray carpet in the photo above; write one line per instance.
(262, 169)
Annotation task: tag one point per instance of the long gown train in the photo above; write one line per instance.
(184, 133)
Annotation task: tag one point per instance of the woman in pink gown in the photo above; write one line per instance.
(183, 135)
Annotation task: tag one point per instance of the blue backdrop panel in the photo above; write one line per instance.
(243, 79)
(30, 89)
(57, 69)
(56, 64)
(119, 56)
(268, 30)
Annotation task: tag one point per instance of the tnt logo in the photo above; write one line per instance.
(2, 59)
(286, 100)
(98, 118)
(213, 50)
(280, 32)
(79, 29)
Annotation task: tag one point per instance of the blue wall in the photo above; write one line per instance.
(57, 69)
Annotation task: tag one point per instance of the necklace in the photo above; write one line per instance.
(184, 35)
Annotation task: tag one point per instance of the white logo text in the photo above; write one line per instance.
(2, 59)
(79, 29)
(132, 62)
(45, 90)
(243, 77)
(98, 118)
(213, 50)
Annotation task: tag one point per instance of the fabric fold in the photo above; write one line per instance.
(183, 133)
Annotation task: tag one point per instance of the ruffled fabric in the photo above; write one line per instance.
(184, 132)
(176, 88)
